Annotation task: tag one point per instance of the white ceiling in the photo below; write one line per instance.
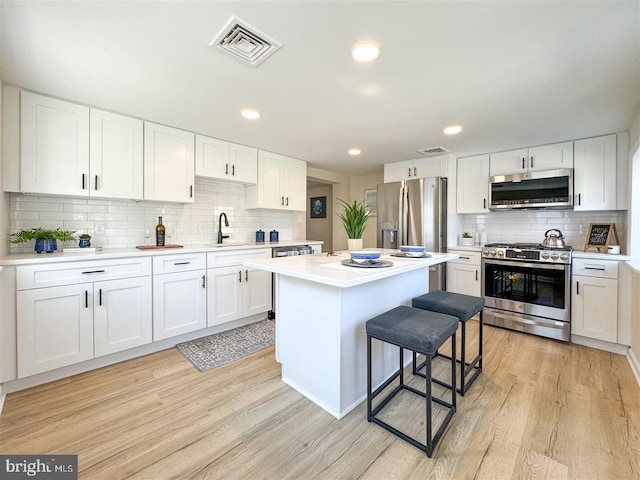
(512, 74)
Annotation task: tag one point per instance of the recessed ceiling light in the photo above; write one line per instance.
(355, 151)
(365, 51)
(453, 129)
(250, 114)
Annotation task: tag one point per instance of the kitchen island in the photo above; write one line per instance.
(321, 310)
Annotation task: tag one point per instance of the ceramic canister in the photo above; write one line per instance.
(260, 236)
(273, 236)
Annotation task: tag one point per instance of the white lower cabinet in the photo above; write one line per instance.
(594, 299)
(103, 309)
(464, 273)
(236, 291)
(179, 294)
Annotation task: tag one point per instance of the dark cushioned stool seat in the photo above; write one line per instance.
(423, 332)
(464, 307)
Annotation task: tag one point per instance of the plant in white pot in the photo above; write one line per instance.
(354, 219)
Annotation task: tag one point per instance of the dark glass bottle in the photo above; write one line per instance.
(160, 233)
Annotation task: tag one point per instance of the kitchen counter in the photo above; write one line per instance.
(328, 270)
(321, 310)
(108, 253)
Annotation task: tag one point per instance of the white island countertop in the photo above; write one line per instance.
(329, 270)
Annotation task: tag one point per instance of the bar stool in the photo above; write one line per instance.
(419, 331)
(464, 307)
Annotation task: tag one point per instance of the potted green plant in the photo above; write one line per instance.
(354, 219)
(46, 239)
(84, 240)
(467, 239)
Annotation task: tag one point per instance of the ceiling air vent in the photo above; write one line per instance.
(433, 151)
(245, 42)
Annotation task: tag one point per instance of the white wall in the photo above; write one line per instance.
(321, 228)
(123, 223)
(358, 184)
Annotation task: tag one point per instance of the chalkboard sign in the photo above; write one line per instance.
(600, 235)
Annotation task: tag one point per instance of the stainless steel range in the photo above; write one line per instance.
(527, 287)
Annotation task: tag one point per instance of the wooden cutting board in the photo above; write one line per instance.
(153, 247)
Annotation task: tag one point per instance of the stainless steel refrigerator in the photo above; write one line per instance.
(414, 212)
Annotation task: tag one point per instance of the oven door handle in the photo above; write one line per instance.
(542, 266)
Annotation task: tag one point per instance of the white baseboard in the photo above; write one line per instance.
(3, 396)
(600, 344)
(634, 364)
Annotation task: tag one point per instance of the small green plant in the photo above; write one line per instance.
(84, 236)
(467, 235)
(354, 218)
(42, 233)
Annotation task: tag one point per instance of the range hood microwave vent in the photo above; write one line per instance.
(433, 151)
(245, 42)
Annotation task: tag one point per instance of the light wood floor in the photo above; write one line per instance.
(541, 409)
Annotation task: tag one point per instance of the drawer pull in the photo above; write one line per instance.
(465, 258)
(599, 268)
(92, 271)
(182, 263)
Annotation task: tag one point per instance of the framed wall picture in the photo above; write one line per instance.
(371, 201)
(318, 207)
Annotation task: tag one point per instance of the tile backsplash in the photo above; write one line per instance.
(122, 223)
(530, 226)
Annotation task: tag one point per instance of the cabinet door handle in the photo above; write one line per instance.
(95, 184)
(190, 191)
(246, 275)
(531, 163)
(83, 182)
(100, 297)
(287, 202)
(282, 200)
(233, 170)
(415, 172)
(86, 299)
(92, 271)
(226, 169)
(476, 275)
(579, 200)
(523, 163)
(484, 203)
(409, 171)
(577, 288)
(240, 276)
(182, 263)
(204, 282)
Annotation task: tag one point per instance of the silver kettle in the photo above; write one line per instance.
(552, 240)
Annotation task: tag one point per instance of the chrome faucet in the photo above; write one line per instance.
(226, 224)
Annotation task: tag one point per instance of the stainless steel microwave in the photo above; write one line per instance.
(545, 189)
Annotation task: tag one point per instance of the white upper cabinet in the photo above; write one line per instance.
(54, 145)
(473, 184)
(116, 156)
(169, 165)
(595, 173)
(222, 160)
(243, 163)
(72, 150)
(282, 183)
(417, 168)
(544, 157)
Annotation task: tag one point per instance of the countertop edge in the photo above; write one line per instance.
(14, 259)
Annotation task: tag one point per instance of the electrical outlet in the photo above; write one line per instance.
(99, 228)
(583, 229)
